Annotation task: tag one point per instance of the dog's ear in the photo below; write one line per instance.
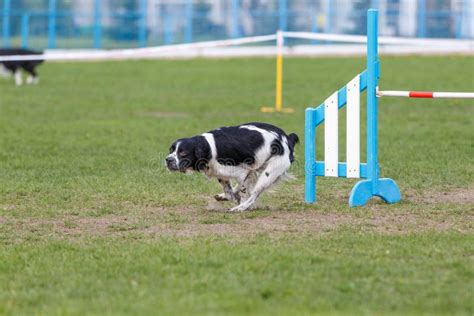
(202, 152)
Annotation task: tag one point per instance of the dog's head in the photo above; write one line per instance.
(188, 154)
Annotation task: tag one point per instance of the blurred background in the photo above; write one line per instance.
(98, 24)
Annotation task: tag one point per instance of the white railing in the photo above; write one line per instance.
(400, 45)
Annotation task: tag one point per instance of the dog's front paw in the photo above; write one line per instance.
(221, 197)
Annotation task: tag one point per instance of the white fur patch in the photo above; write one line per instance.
(174, 154)
(18, 79)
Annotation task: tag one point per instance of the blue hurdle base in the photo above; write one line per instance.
(363, 191)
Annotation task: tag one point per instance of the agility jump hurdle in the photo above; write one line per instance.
(327, 112)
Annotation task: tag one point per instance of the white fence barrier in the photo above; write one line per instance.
(226, 48)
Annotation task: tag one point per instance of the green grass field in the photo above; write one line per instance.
(92, 223)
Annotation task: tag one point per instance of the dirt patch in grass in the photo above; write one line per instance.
(457, 196)
(420, 213)
(190, 222)
(8, 207)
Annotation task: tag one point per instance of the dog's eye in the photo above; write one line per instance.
(171, 149)
(182, 153)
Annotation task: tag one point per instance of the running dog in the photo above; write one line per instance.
(255, 155)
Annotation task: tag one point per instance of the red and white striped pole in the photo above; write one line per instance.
(426, 94)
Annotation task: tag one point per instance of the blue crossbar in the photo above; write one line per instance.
(318, 169)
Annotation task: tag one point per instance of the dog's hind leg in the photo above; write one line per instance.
(275, 168)
(229, 194)
(32, 74)
(4, 72)
(244, 188)
(30, 79)
(18, 79)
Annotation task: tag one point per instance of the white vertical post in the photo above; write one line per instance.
(353, 129)
(331, 144)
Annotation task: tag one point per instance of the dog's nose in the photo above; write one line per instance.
(169, 160)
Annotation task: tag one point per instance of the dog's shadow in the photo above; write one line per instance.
(224, 207)
(218, 206)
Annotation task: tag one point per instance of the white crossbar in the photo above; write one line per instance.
(353, 129)
(331, 150)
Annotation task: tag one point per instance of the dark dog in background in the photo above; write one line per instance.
(15, 66)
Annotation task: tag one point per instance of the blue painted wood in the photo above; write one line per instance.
(362, 192)
(372, 81)
(52, 13)
(25, 26)
(387, 189)
(310, 155)
(6, 23)
(97, 31)
(188, 12)
(314, 117)
(341, 169)
(142, 32)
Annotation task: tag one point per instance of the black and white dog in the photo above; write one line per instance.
(255, 155)
(15, 66)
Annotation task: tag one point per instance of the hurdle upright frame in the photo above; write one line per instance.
(364, 190)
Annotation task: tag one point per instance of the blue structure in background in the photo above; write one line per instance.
(25, 22)
(97, 32)
(364, 190)
(188, 33)
(142, 39)
(61, 24)
(6, 23)
(52, 15)
(283, 15)
(421, 18)
(235, 18)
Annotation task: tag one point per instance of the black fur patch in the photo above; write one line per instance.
(236, 145)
